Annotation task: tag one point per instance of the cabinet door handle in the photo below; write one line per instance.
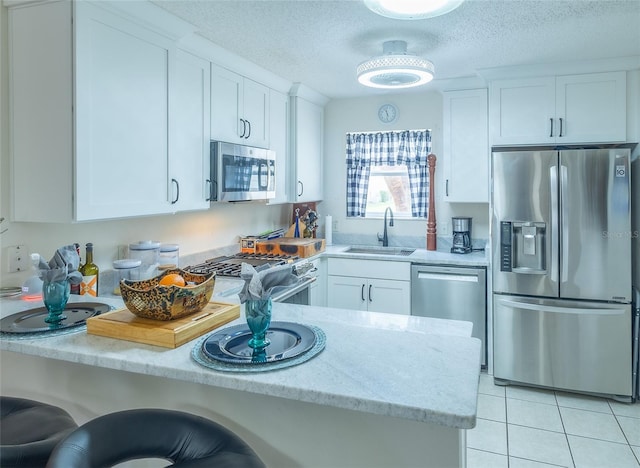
(362, 293)
(446, 188)
(560, 127)
(249, 133)
(177, 191)
(551, 134)
(302, 189)
(244, 128)
(370, 298)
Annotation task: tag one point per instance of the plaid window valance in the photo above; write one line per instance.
(408, 148)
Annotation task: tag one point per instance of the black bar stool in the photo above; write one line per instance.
(29, 431)
(182, 438)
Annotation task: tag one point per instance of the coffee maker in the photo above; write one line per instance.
(461, 235)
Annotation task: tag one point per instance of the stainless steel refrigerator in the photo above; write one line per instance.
(561, 246)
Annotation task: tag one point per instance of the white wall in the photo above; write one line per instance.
(219, 226)
(416, 110)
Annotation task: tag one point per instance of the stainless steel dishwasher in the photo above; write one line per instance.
(456, 293)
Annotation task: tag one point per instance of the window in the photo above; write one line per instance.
(388, 169)
(388, 187)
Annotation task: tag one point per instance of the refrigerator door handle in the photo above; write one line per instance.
(562, 310)
(564, 225)
(553, 190)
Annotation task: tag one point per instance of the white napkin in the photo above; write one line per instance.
(263, 282)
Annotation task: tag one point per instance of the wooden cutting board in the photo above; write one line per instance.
(302, 247)
(124, 325)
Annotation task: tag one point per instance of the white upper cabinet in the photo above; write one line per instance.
(90, 114)
(239, 109)
(279, 139)
(121, 121)
(593, 108)
(41, 118)
(569, 109)
(307, 125)
(465, 158)
(189, 126)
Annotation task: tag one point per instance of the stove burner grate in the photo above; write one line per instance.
(231, 266)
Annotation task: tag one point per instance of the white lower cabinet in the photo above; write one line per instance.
(371, 285)
(318, 289)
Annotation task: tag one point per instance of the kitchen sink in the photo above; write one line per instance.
(374, 250)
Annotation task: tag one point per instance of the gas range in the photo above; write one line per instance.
(231, 265)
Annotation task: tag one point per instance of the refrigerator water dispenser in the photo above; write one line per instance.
(523, 247)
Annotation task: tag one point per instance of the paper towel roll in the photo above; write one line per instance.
(328, 229)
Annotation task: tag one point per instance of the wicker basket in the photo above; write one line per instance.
(150, 300)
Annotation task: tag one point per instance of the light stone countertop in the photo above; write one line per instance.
(414, 368)
(424, 256)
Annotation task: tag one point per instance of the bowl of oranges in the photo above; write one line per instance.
(173, 294)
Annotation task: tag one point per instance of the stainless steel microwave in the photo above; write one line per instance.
(242, 173)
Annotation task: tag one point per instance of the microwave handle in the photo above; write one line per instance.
(214, 190)
(209, 187)
(268, 174)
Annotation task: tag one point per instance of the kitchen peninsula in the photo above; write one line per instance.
(387, 390)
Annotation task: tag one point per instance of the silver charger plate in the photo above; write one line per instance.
(247, 365)
(287, 339)
(30, 323)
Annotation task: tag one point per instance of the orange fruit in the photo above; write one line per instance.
(172, 279)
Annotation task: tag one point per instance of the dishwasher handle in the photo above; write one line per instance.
(448, 277)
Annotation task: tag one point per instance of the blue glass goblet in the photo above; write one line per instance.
(258, 314)
(55, 295)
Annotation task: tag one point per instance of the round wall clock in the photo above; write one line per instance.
(387, 113)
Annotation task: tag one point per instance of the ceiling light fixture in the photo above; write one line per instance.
(412, 9)
(395, 68)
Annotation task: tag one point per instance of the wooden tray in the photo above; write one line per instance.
(124, 325)
(302, 247)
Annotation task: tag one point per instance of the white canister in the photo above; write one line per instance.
(128, 269)
(148, 252)
(169, 256)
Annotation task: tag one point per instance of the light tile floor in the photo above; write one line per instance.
(520, 427)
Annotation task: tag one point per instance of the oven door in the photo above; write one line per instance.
(241, 173)
(298, 294)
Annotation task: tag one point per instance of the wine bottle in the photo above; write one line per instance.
(90, 273)
(75, 288)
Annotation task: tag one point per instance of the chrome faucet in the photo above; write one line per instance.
(385, 237)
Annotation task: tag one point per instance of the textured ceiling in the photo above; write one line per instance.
(320, 42)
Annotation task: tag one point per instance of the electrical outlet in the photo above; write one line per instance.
(334, 228)
(19, 258)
